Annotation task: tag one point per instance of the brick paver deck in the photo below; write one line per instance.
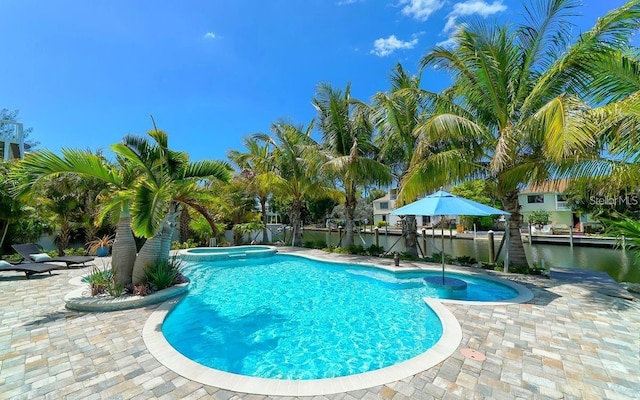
(569, 342)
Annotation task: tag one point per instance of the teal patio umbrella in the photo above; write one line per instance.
(442, 203)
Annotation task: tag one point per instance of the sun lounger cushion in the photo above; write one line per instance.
(4, 264)
(40, 257)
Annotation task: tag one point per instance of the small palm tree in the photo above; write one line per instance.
(257, 166)
(295, 166)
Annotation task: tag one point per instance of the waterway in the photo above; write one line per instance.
(618, 263)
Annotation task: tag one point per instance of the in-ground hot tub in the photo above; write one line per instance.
(227, 253)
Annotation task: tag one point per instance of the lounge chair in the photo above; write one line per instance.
(28, 268)
(33, 254)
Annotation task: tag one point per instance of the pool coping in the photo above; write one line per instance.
(80, 299)
(448, 343)
(160, 348)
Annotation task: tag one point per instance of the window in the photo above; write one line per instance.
(384, 205)
(536, 198)
(561, 197)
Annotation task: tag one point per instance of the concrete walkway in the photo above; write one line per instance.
(570, 342)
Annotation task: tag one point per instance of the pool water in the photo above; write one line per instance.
(288, 317)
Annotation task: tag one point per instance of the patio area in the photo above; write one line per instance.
(571, 341)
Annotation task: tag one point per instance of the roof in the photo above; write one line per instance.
(553, 186)
(386, 197)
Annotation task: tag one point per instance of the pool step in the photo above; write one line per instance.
(237, 255)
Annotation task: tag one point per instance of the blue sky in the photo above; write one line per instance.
(85, 73)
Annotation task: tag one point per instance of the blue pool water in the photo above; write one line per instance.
(288, 317)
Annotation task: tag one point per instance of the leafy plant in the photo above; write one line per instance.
(374, 250)
(163, 275)
(189, 244)
(315, 244)
(539, 218)
(78, 251)
(381, 224)
(114, 288)
(141, 289)
(627, 232)
(98, 280)
(464, 260)
(104, 241)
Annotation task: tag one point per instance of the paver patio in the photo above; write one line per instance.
(569, 342)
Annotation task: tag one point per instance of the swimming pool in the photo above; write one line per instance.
(227, 253)
(288, 317)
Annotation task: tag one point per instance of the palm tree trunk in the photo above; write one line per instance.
(409, 229)
(517, 256)
(63, 237)
(4, 233)
(263, 207)
(149, 255)
(296, 216)
(349, 209)
(123, 253)
(168, 228)
(156, 249)
(184, 225)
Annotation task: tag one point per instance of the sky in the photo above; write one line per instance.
(83, 74)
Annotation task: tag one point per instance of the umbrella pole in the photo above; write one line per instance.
(442, 237)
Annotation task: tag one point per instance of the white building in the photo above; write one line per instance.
(11, 140)
(383, 206)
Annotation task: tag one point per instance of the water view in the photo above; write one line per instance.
(616, 262)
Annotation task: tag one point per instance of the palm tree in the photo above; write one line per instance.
(168, 181)
(257, 165)
(62, 197)
(347, 147)
(234, 205)
(295, 178)
(518, 112)
(396, 114)
(148, 184)
(119, 178)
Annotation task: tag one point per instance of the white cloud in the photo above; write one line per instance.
(384, 47)
(210, 35)
(345, 2)
(478, 7)
(465, 9)
(420, 9)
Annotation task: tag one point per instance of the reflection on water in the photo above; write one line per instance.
(617, 263)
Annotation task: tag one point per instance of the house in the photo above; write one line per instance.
(11, 140)
(549, 196)
(383, 206)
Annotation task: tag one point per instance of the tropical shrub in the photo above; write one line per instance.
(381, 224)
(539, 218)
(98, 280)
(315, 244)
(374, 250)
(77, 251)
(164, 274)
(189, 244)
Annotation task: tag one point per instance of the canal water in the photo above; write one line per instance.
(619, 264)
